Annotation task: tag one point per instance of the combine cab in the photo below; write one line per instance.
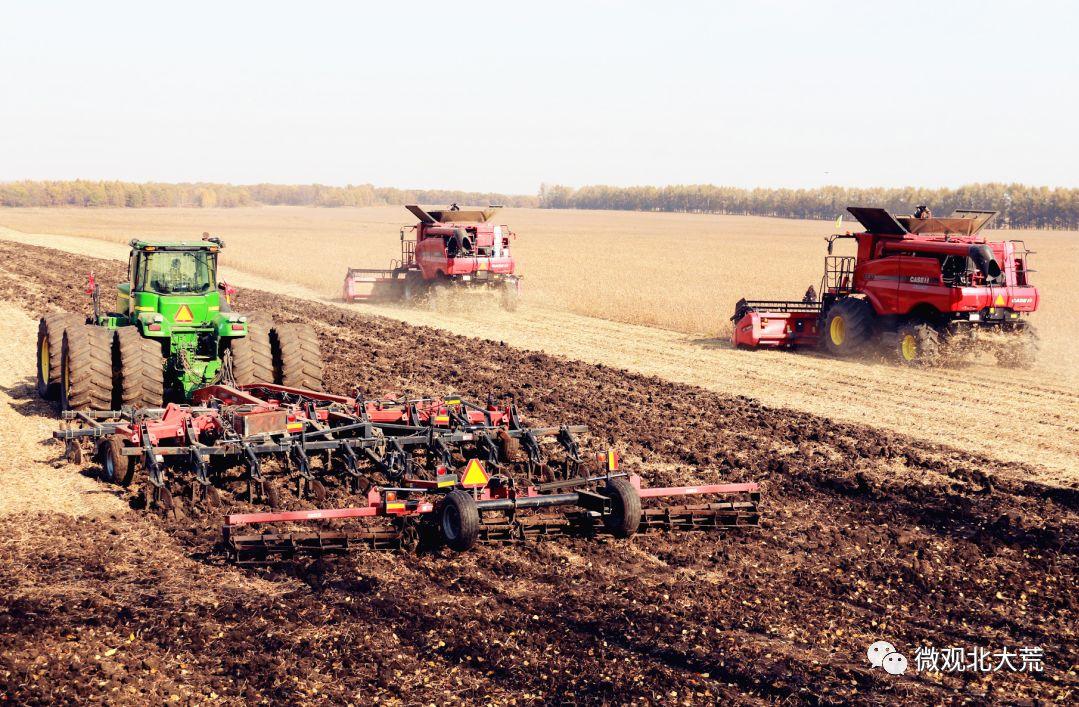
(433, 471)
(449, 248)
(922, 287)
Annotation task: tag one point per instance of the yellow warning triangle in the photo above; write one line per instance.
(184, 314)
(474, 474)
(999, 301)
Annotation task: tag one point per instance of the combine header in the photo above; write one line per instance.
(921, 286)
(449, 248)
(428, 471)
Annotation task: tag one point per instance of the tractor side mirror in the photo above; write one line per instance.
(831, 241)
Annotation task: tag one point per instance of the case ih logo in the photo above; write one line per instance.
(919, 279)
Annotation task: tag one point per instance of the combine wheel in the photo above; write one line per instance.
(510, 296)
(625, 515)
(86, 368)
(297, 357)
(115, 467)
(438, 296)
(918, 344)
(459, 520)
(142, 369)
(412, 288)
(252, 356)
(50, 343)
(848, 326)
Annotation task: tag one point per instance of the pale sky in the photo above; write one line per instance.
(502, 96)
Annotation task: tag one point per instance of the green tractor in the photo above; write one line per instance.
(172, 331)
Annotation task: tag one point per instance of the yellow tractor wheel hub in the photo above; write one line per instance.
(909, 347)
(838, 331)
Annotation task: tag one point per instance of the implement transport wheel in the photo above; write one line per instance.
(252, 356)
(918, 344)
(115, 467)
(86, 368)
(625, 515)
(297, 357)
(50, 344)
(848, 326)
(459, 520)
(141, 367)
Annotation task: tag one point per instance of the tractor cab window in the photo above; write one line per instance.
(173, 273)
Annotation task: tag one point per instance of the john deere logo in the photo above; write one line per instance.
(184, 314)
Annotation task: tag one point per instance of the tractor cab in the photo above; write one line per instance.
(176, 281)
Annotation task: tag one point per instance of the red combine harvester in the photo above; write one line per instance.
(450, 248)
(428, 472)
(923, 287)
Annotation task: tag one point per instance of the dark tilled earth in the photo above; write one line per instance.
(866, 536)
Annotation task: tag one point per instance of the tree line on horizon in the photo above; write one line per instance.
(1020, 206)
(116, 194)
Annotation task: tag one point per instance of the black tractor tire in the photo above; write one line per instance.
(510, 296)
(918, 344)
(50, 344)
(86, 368)
(459, 520)
(252, 355)
(116, 468)
(625, 515)
(297, 356)
(1021, 351)
(141, 368)
(848, 326)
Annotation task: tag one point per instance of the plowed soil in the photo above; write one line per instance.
(868, 535)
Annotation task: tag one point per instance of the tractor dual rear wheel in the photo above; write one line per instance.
(50, 344)
(297, 356)
(252, 355)
(918, 344)
(848, 326)
(141, 370)
(86, 368)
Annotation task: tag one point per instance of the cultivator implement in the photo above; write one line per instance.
(429, 470)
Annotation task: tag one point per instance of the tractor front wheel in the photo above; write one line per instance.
(848, 326)
(142, 369)
(50, 343)
(918, 344)
(297, 356)
(86, 379)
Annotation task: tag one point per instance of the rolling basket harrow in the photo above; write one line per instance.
(430, 471)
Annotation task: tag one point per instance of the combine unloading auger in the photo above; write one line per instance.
(429, 471)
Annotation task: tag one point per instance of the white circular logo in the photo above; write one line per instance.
(895, 663)
(878, 651)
